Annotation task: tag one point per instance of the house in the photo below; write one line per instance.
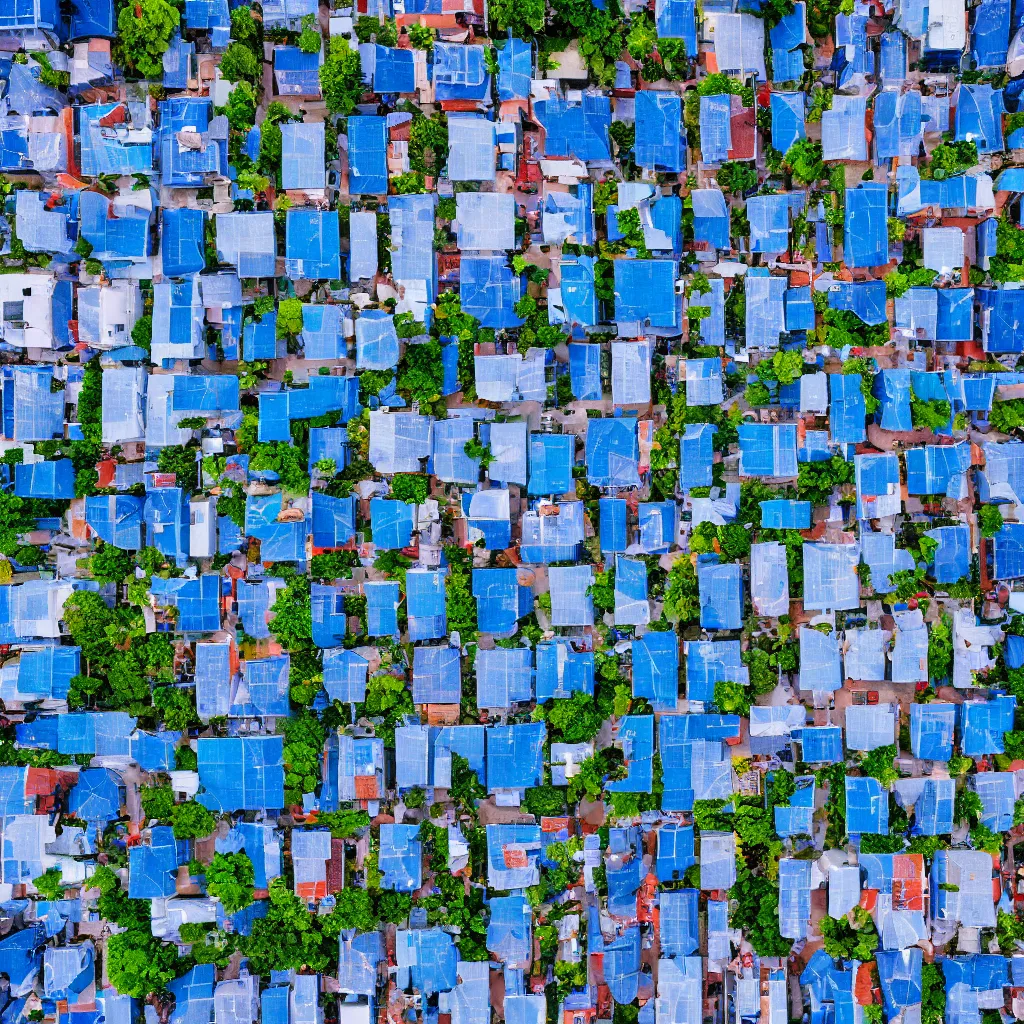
(312, 245)
(241, 773)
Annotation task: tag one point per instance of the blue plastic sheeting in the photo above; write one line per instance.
(979, 392)
(631, 607)
(952, 558)
(552, 457)
(111, 153)
(983, 723)
(485, 220)
(996, 790)
(765, 317)
(677, 19)
(878, 485)
(769, 223)
(679, 920)
(842, 129)
(785, 514)
(391, 523)
(622, 965)
(867, 806)
(767, 449)
(213, 679)
(363, 245)
(345, 674)
(552, 538)
(504, 676)
(579, 300)
(938, 469)
(262, 690)
(523, 842)
(645, 292)
(866, 230)
(794, 897)
(657, 526)
(436, 675)
(955, 314)
(898, 124)
(92, 18)
(153, 868)
(721, 596)
(613, 451)
(243, 773)
(100, 733)
(786, 37)
(696, 455)
(394, 71)
(585, 371)
(787, 119)
(869, 727)
(312, 245)
(612, 520)
(576, 128)
(917, 310)
(675, 852)
(367, 155)
(830, 577)
(562, 670)
(979, 110)
(1008, 552)
(571, 603)
(259, 338)
(449, 461)
(14, 798)
(658, 135)
(459, 72)
(45, 479)
(1001, 310)
(656, 669)
(499, 599)
(932, 801)
(865, 299)
(820, 669)
(710, 218)
(211, 393)
(425, 603)
(322, 336)
(636, 734)
(333, 520)
(412, 233)
(99, 792)
(490, 289)
(246, 241)
(715, 128)
(931, 731)
(515, 69)
(296, 73)
(36, 409)
(400, 857)
(509, 931)
(900, 974)
(821, 744)
(797, 818)
(471, 143)
(181, 242)
(712, 661)
(515, 756)
(40, 674)
(302, 158)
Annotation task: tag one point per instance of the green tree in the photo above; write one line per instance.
(844, 940)
(158, 803)
(240, 64)
(310, 38)
(930, 414)
(230, 878)
(341, 77)
(412, 488)
(520, 18)
(576, 718)
(990, 519)
(50, 885)
(145, 28)
(138, 964)
(241, 106)
(732, 699)
(878, 763)
(804, 158)
(111, 564)
(192, 821)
